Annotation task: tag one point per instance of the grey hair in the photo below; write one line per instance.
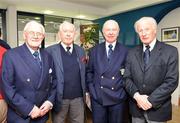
(113, 21)
(147, 19)
(29, 24)
(64, 23)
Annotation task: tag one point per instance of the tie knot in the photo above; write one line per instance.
(110, 46)
(68, 48)
(147, 47)
(36, 54)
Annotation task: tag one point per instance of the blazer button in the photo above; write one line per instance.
(101, 87)
(112, 88)
(28, 80)
(144, 85)
(113, 78)
(102, 77)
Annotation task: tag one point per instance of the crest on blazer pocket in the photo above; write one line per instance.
(84, 59)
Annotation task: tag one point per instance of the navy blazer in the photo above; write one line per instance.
(104, 78)
(158, 80)
(24, 84)
(55, 52)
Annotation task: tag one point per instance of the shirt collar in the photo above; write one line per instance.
(152, 44)
(113, 44)
(31, 50)
(64, 46)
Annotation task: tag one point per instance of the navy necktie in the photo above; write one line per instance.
(110, 51)
(146, 55)
(68, 50)
(36, 57)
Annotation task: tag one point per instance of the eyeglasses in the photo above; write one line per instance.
(38, 34)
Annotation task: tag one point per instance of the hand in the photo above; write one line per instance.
(142, 101)
(45, 107)
(35, 112)
(88, 100)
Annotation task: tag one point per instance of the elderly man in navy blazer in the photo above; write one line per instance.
(28, 78)
(69, 60)
(105, 77)
(151, 75)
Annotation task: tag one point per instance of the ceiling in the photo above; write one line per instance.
(91, 9)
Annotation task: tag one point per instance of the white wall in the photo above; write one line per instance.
(172, 19)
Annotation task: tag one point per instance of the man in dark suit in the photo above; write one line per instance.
(69, 61)
(105, 77)
(151, 75)
(28, 78)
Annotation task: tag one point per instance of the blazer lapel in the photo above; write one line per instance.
(139, 57)
(43, 69)
(102, 58)
(29, 60)
(58, 57)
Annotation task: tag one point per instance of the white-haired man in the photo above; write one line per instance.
(69, 61)
(28, 78)
(151, 75)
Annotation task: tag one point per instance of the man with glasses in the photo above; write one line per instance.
(28, 78)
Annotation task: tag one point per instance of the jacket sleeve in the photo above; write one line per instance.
(164, 91)
(53, 83)
(89, 70)
(128, 81)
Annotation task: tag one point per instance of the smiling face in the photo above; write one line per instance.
(67, 33)
(34, 35)
(110, 31)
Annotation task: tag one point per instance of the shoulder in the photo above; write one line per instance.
(97, 47)
(167, 48)
(12, 53)
(78, 47)
(52, 47)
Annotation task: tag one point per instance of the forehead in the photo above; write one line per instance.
(35, 27)
(67, 26)
(145, 24)
(110, 25)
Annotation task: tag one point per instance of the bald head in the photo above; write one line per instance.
(67, 32)
(110, 31)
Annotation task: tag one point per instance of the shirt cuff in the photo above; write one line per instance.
(51, 105)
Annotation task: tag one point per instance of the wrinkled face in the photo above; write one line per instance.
(110, 32)
(34, 36)
(146, 32)
(67, 34)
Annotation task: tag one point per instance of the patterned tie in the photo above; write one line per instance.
(110, 51)
(68, 50)
(146, 55)
(36, 57)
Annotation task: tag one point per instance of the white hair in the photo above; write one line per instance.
(66, 23)
(151, 20)
(29, 24)
(111, 21)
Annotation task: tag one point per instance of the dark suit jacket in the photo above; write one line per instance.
(55, 51)
(104, 79)
(158, 80)
(24, 86)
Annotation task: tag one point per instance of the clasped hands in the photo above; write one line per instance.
(142, 101)
(39, 112)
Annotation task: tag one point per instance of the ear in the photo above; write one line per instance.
(24, 35)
